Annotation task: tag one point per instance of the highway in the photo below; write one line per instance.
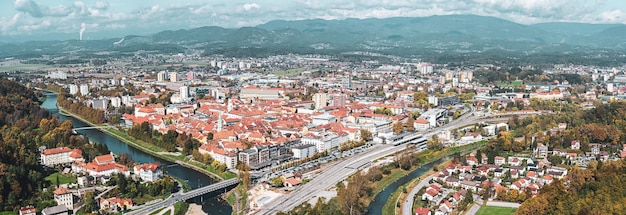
(340, 170)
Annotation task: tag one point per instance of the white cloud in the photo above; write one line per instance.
(251, 6)
(163, 14)
(101, 5)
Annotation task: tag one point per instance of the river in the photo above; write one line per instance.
(376, 206)
(211, 203)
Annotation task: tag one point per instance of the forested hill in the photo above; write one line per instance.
(24, 127)
(17, 102)
(599, 189)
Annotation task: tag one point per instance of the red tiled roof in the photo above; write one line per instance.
(61, 191)
(104, 159)
(148, 166)
(56, 150)
(76, 153)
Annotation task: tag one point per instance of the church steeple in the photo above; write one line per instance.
(220, 122)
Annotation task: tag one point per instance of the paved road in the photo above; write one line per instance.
(503, 204)
(473, 210)
(339, 170)
(407, 207)
(179, 196)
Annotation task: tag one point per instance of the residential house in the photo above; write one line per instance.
(149, 172)
(499, 160)
(28, 210)
(115, 204)
(421, 124)
(430, 195)
(469, 185)
(575, 145)
(452, 181)
(422, 211)
(292, 182)
(64, 196)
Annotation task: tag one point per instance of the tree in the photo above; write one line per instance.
(479, 156)
(90, 203)
(398, 128)
(410, 126)
(277, 182)
(366, 135)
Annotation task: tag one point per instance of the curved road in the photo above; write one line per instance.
(407, 208)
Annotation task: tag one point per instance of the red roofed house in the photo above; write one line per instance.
(422, 211)
(104, 159)
(103, 165)
(223, 156)
(28, 210)
(421, 124)
(430, 194)
(64, 196)
(61, 155)
(149, 171)
(115, 203)
(292, 182)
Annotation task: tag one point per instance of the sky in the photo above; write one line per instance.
(93, 19)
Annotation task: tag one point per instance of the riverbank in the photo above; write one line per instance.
(428, 157)
(152, 149)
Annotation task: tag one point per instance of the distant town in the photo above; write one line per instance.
(282, 125)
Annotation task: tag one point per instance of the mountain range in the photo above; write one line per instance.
(403, 35)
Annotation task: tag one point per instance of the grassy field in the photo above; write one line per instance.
(62, 179)
(180, 208)
(7, 213)
(295, 71)
(492, 210)
(23, 67)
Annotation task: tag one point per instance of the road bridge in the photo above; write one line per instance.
(187, 195)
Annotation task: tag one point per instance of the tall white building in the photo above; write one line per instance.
(426, 69)
(184, 93)
(116, 102)
(73, 89)
(84, 89)
(173, 76)
(161, 76)
(320, 100)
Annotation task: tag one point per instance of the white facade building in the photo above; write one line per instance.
(320, 100)
(84, 89)
(73, 89)
(303, 151)
(59, 156)
(149, 172)
(184, 93)
(325, 142)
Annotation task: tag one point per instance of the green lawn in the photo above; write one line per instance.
(23, 67)
(492, 210)
(62, 179)
(7, 213)
(295, 71)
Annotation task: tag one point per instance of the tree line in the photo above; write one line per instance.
(599, 189)
(24, 127)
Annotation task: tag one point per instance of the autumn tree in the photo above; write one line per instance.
(366, 135)
(398, 127)
(410, 126)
